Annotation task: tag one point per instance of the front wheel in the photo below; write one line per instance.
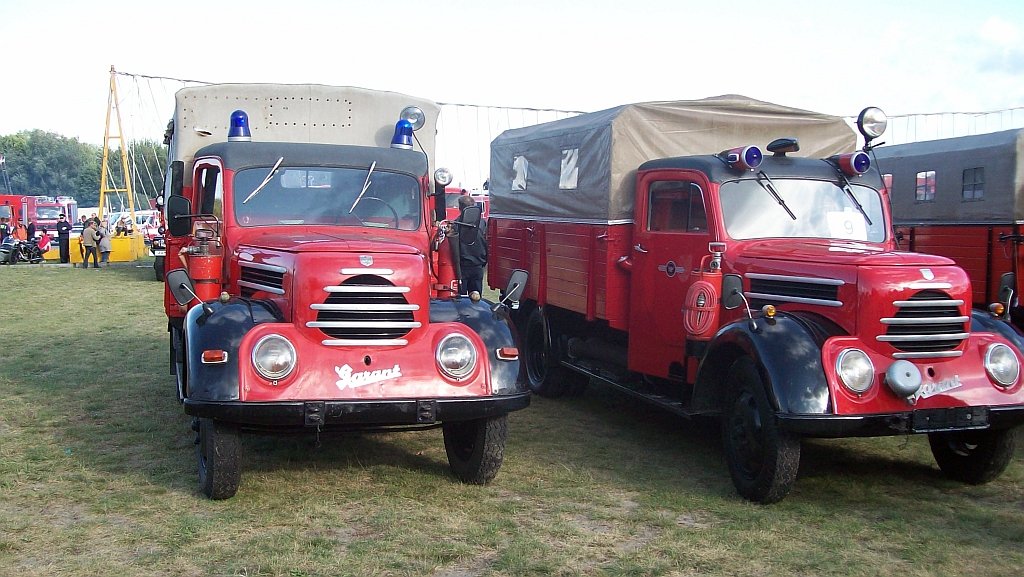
(973, 457)
(217, 450)
(476, 448)
(763, 459)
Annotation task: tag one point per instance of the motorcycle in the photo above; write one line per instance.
(13, 251)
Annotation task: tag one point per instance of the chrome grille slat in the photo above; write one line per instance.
(363, 307)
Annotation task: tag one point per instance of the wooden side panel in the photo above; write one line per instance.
(572, 266)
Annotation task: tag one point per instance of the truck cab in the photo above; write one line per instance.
(312, 287)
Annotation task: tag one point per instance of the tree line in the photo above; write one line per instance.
(36, 162)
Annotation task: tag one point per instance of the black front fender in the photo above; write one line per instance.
(982, 321)
(495, 329)
(787, 353)
(222, 330)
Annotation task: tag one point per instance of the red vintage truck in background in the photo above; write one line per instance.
(311, 278)
(42, 210)
(964, 198)
(669, 258)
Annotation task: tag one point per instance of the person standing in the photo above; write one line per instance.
(472, 251)
(105, 243)
(64, 238)
(31, 230)
(5, 229)
(90, 240)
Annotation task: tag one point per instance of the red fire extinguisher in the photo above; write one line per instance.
(204, 263)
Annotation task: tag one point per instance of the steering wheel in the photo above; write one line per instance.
(394, 213)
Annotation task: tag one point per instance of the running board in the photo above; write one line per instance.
(666, 403)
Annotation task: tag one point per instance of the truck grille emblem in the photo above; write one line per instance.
(927, 274)
(365, 260)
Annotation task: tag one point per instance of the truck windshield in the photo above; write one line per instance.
(48, 212)
(819, 210)
(325, 196)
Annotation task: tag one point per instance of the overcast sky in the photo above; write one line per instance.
(833, 57)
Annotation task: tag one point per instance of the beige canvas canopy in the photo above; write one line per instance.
(312, 113)
(583, 169)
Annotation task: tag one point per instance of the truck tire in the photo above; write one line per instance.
(543, 374)
(476, 448)
(763, 460)
(973, 457)
(158, 268)
(217, 451)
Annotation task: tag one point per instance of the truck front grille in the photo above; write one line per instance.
(365, 310)
(927, 325)
(261, 277)
(776, 289)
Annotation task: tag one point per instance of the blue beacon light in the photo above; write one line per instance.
(239, 130)
(403, 135)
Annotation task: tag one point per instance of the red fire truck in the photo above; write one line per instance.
(669, 258)
(962, 198)
(43, 210)
(311, 278)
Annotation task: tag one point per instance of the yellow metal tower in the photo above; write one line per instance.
(134, 247)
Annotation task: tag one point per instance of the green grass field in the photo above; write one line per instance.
(97, 477)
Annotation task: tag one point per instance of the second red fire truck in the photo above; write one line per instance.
(671, 258)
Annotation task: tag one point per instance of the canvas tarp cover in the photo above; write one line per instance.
(599, 152)
(998, 154)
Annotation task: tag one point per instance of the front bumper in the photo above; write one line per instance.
(903, 423)
(355, 415)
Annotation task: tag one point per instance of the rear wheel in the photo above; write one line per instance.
(476, 448)
(217, 450)
(542, 370)
(763, 460)
(973, 457)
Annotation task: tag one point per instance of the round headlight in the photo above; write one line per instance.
(443, 176)
(456, 356)
(414, 116)
(1001, 365)
(872, 122)
(855, 370)
(273, 357)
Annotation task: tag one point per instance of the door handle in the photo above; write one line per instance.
(639, 248)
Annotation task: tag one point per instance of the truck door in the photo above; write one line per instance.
(671, 235)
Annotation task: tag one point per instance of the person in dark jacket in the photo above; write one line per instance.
(64, 238)
(472, 251)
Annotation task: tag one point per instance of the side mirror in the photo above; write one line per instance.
(179, 219)
(183, 290)
(732, 291)
(514, 290)
(180, 285)
(469, 224)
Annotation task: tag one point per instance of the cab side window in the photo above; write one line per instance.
(211, 197)
(675, 206)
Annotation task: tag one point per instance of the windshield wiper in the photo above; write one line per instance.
(849, 193)
(273, 171)
(768, 185)
(366, 185)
